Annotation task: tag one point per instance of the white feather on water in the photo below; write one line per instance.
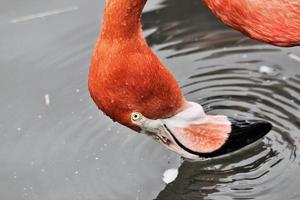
(170, 175)
(47, 99)
(266, 69)
(294, 57)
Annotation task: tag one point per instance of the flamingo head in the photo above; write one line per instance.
(195, 135)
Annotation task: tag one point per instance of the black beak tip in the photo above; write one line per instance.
(244, 132)
(263, 126)
(249, 128)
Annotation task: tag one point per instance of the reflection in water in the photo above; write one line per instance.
(66, 150)
(239, 78)
(221, 177)
(189, 28)
(239, 88)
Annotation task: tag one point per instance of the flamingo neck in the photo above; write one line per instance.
(122, 18)
(125, 74)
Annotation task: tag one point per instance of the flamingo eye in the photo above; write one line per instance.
(135, 116)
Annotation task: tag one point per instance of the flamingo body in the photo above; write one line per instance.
(274, 21)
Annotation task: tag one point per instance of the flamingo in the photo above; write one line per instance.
(274, 21)
(129, 84)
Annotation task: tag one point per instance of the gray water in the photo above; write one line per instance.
(56, 145)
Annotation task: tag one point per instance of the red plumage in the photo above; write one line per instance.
(274, 21)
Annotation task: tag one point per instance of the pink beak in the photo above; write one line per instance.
(195, 135)
(212, 140)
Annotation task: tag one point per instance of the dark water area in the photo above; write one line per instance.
(55, 144)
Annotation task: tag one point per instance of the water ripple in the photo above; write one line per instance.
(241, 89)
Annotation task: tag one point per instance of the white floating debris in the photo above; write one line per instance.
(77, 90)
(19, 129)
(170, 175)
(15, 175)
(294, 57)
(244, 56)
(47, 99)
(44, 14)
(265, 69)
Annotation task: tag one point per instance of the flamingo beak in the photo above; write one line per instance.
(197, 136)
(243, 133)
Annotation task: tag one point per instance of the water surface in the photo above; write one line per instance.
(55, 144)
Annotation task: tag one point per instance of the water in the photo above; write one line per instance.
(56, 145)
